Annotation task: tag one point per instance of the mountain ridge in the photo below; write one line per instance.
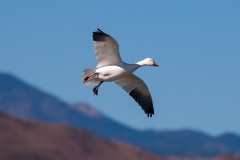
(30, 139)
(21, 100)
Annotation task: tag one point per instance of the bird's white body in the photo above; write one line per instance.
(112, 73)
(111, 68)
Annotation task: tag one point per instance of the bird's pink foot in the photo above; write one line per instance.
(95, 90)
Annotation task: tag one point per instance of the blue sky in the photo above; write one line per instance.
(196, 44)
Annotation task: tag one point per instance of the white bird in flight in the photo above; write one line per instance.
(111, 68)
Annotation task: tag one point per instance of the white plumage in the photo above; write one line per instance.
(111, 68)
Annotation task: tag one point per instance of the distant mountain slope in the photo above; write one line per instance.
(19, 99)
(32, 140)
(27, 140)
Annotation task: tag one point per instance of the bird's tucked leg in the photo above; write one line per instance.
(88, 76)
(95, 89)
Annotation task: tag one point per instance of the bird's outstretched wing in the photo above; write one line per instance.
(138, 90)
(106, 49)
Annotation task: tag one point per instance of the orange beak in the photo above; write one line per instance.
(155, 64)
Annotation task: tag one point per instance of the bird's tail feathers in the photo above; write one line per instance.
(88, 71)
(91, 80)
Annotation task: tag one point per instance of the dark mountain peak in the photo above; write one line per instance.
(8, 81)
(22, 100)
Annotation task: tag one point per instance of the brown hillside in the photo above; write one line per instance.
(33, 140)
(28, 140)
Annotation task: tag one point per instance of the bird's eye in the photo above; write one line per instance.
(150, 60)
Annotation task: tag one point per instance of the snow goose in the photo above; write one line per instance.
(111, 68)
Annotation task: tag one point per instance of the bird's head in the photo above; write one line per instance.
(149, 62)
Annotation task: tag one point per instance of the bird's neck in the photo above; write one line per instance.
(131, 67)
(141, 63)
(137, 65)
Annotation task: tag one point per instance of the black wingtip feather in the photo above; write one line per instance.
(147, 109)
(99, 35)
(99, 30)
